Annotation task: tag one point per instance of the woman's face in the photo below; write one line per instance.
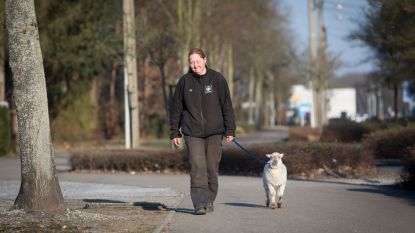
(197, 64)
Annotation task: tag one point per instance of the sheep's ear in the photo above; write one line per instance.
(268, 155)
(281, 155)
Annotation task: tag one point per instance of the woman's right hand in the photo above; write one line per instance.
(176, 141)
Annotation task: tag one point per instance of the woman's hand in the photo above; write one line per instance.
(229, 139)
(176, 141)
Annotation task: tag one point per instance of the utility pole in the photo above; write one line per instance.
(130, 77)
(322, 67)
(312, 57)
(2, 73)
(2, 80)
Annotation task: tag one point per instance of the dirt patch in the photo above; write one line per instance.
(90, 216)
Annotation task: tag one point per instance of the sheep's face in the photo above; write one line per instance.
(275, 159)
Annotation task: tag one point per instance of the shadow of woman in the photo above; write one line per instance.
(244, 205)
(182, 210)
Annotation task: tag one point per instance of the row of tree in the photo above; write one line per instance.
(388, 29)
(82, 45)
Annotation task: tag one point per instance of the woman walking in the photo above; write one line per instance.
(202, 111)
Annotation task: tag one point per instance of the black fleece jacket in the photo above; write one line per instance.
(202, 106)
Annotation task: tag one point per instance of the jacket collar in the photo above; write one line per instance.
(197, 75)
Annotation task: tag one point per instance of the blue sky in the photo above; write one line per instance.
(339, 24)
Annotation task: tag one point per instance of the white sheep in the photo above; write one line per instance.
(274, 178)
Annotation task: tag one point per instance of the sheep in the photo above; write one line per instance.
(274, 179)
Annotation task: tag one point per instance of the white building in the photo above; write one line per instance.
(341, 103)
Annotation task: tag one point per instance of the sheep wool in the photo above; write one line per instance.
(274, 180)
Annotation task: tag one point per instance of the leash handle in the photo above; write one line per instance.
(247, 151)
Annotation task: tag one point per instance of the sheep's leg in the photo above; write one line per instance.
(266, 194)
(272, 194)
(280, 194)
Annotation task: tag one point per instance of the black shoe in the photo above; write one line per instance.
(209, 207)
(200, 211)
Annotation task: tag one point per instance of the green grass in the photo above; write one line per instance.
(160, 143)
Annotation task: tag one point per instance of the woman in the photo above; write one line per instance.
(202, 111)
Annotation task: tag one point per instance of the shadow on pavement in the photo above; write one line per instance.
(156, 206)
(244, 205)
(183, 210)
(389, 191)
(106, 201)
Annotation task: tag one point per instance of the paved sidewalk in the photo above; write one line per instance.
(79, 196)
(89, 190)
(77, 190)
(95, 195)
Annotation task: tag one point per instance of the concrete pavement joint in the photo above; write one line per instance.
(169, 217)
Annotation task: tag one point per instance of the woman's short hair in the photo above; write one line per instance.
(197, 51)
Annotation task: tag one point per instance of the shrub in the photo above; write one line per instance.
(344, 131)
(408, 172)
(5, 131)
(78, 121)
(129, 160)
(234, 162)
(376, 124)
(303, 160)
(390, 143)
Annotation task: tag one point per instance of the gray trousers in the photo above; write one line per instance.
(204, 155)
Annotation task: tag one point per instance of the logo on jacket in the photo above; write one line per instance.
(208, 88)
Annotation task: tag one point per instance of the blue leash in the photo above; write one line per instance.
(249, 153)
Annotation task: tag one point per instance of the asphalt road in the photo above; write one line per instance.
(309, 206)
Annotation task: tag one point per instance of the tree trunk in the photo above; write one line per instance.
(229, 65)
(259, 97)
(163, 88)
(251, 93)
(395, 99)
(272, 90)
(189, 17)
(280, 102)
(318, 108)
(2, 80)
(111, 113)
(39, 190)
(183, 30)
(3, 55)
(130, 63)
(312, 57)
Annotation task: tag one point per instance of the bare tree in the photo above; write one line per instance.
(39, 190)
(189, 17)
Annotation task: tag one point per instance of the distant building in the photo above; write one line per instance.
(341, 103)
(408, 99)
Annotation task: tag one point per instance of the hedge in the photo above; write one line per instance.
(5, 132)
(408, 172)
(303, 160)
(390, 143)
(344, 131)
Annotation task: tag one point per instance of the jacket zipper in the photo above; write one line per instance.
(201, 109)
(203, 124)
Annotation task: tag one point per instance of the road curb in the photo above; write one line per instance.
(169, 216)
